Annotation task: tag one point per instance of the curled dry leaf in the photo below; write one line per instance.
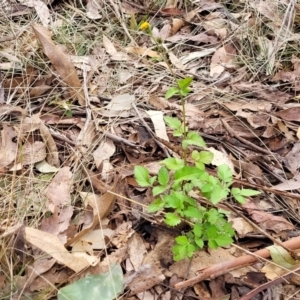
(61, 62)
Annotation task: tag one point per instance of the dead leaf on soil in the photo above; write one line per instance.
(8, 148)
(136, 250)
(40, 8)
(290, 114)
(61, 62)
(58, 191)
(31, 153)
(50, 244)
(92, 8)
(157, 119)
(119, 106)
(262, 91)
(101, 205)
(144, 278)
(292, 159)
(222, 59)
(58, 222)
(104, 151)
(291, 184)
(142, 51)
(267, 220)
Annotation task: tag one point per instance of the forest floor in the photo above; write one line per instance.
(83, 89)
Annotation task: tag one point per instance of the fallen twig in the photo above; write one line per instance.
(227, 266)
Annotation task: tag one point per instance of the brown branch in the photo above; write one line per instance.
(242, 261)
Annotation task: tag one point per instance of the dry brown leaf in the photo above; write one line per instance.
(8, 148)
(101, 205)
(136, 250)
(50, 244)
(31, 153)
(58, 191)
(144, 278)
(104, 151)
(177, 24)
(241, 226)
(290, 114)
(142, 51)
(61, 62)
(262, 91)
(58, 222)
(92, 8)
(291, 184)
(7, 109)
(222, 59)
(40, 8)
(267, 220)
(253, 105)
(157, 119)
(52, 153)
(200, 38)
(292, 159)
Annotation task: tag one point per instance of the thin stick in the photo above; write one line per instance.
(242, 261)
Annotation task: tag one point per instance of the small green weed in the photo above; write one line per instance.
(178, 177)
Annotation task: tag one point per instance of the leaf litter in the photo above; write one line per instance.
(82, 102)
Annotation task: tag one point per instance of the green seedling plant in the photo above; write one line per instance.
(178, 177)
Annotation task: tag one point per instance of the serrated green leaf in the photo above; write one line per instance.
(185, 82)
(197, 230)
(181, 240)
(193, 138)
(152, 180)
(219, 193)
(207, 188)
(172, 201)
(206, 157)
(224, 173)
(212, 216)
(223, 240)
(193, 212)
(236, 193)
(173, 123)
(173, 163)
(249, 192)
(190, 250)
(199, 242)
(141, 175)
(155, 206)
(178, 132)
(187, 173)
(240, 199)
(184, 92)
(158, 190)
(171, 92)
(163, 176)
(179, 252)
(172, 219)
(212, 244)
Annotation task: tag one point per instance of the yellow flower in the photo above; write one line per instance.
(145, 26)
